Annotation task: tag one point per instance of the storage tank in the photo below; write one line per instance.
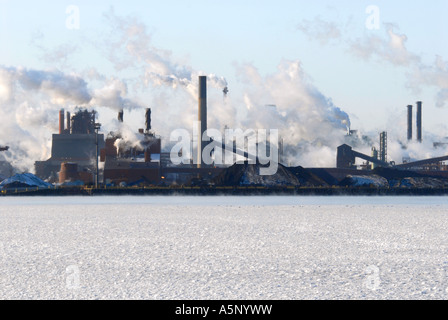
(69, 172)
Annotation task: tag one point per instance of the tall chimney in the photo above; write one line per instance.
(410, 122)
(68, 122)
(61, 121)
(202, 117)
(419, 121)
(148, 120)
(120, 115)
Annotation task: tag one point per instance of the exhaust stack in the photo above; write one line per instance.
(419, 121)
(120, 116)
(410, 122)
(69, 125)
(202, 117)
(61, 122)
(148, 120)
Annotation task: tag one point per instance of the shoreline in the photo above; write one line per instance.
(225, 191)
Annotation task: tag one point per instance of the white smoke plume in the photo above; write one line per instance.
(113, 95)
(435, 75)
(323, 31)
(169, 83)
(310, 124)
(128, 138)
(30, 99)
(391, 49)
(59, 87)
(160, 67)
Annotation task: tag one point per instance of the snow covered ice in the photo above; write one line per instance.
(224, 248)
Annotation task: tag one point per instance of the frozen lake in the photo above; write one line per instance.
(224, 248)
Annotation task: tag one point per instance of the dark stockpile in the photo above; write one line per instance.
(390, 173)
(245, 174)
(307, 178)
(396, 178)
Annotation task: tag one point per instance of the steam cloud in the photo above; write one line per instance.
(30, 100)
(306, 118)
(310, 124)
(160, 68)
(391, 48)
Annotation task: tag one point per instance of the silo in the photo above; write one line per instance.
(69, 172)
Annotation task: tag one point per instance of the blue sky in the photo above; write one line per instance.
(216, 36)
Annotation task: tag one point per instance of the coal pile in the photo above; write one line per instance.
(245, 174)
(307, 178)
(374, 181)
(396, 179)
(394, 174)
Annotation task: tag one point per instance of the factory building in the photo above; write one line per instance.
(75, 143)
(75, 152)
(132, 165)
(346, 156)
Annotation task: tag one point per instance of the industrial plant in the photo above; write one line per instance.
(82, 157)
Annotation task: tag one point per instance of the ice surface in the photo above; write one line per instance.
(224, 248)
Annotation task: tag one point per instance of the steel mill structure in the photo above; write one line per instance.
(78, 148)
(75, 143)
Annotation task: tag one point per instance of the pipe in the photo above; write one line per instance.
(419, 121)
(202, 117)
(410, 122)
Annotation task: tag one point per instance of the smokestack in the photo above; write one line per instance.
(61, 121)
(148, 120)
(120, 116)
(68, 122)
(409, 122)
(419, 121)
(202, 117)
